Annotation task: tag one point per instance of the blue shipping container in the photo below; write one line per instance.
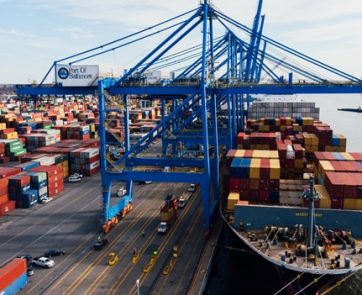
(16, 286)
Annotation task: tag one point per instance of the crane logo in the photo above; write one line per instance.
(63, 73)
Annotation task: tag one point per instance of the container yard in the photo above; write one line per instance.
(124, 184)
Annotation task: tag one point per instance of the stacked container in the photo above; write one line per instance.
(85, 161)
(21, 192)
(13, 277)
(255, 179)
(39, 183)
(54, 178)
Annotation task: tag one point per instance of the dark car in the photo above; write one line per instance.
(54, 252)
(27, 257)
(100, 243)
(29, 270)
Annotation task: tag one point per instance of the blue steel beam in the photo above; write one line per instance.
(205, 183)
(164, 42)
(164, 162)
(55, 90)
(157, 176)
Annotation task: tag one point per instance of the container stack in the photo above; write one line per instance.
(257, 141)
(54, 178)
(39, 183)
(255, 179)
(6, 205)
(291, 191)
(85, 161)
(21, 192)
(11, 150)
(13, 277)
(345, 190)
(259, 109)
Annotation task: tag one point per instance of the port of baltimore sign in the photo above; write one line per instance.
(77, 75)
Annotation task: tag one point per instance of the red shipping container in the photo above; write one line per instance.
(233, 184)
(243, 184)
(7, 171)
(3, 186)
(263, 196)
(253, 195)
(254, 184)
(4, 199)
(263, 184)
(7, 207)
(337, 203)
(11, 272)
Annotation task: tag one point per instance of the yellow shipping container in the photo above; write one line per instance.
(277, 122)
(307, 121)
(273, 155)
(264, 128)
(358, 204)
(239, 153)
(274, 169)
(2, 126)
(315, 140)
(342, 140)
(298, 163)
(347, 156)
(341, 149)
(307, 139)
(349, 204)
(325, 199)
(324, 166)
(254, 171)
(233, 198)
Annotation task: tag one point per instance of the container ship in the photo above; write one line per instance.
(293, 195)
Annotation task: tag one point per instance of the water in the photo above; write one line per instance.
(237, 272)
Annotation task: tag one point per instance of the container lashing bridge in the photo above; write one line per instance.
(211, 87)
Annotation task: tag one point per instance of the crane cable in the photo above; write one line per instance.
(291, 282)
(310, 284)
(337, 284)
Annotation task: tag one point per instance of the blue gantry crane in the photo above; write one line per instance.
(203, 103)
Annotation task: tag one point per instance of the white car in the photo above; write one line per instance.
(191, 188)
(47, 200)
(162, 227)
(74, 178)
(77, 175)
(121, 191)
(43, 262)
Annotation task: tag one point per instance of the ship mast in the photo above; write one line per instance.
(311, 196)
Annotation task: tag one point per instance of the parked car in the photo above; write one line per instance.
(100, 243)
(54, 252)
(29, 270)
(43, 262)
(47, 200)
(145, 182)
(191, 188)
(74, 178)
(28, 257)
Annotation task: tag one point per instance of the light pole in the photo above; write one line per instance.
(138, 286)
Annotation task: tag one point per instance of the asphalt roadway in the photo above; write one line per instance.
(72, 222)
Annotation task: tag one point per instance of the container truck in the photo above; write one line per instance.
(167, 213)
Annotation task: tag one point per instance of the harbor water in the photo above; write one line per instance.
(238, 271)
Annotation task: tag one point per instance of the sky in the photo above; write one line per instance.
(34, 33)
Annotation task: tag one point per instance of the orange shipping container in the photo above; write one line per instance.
(7, 207)
(4, 199)
(11, 272)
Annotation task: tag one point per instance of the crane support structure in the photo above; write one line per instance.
(203, 104)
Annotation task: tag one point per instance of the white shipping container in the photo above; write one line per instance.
(94, 165)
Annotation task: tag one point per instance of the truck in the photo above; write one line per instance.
(167, 213)
(182, 200)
